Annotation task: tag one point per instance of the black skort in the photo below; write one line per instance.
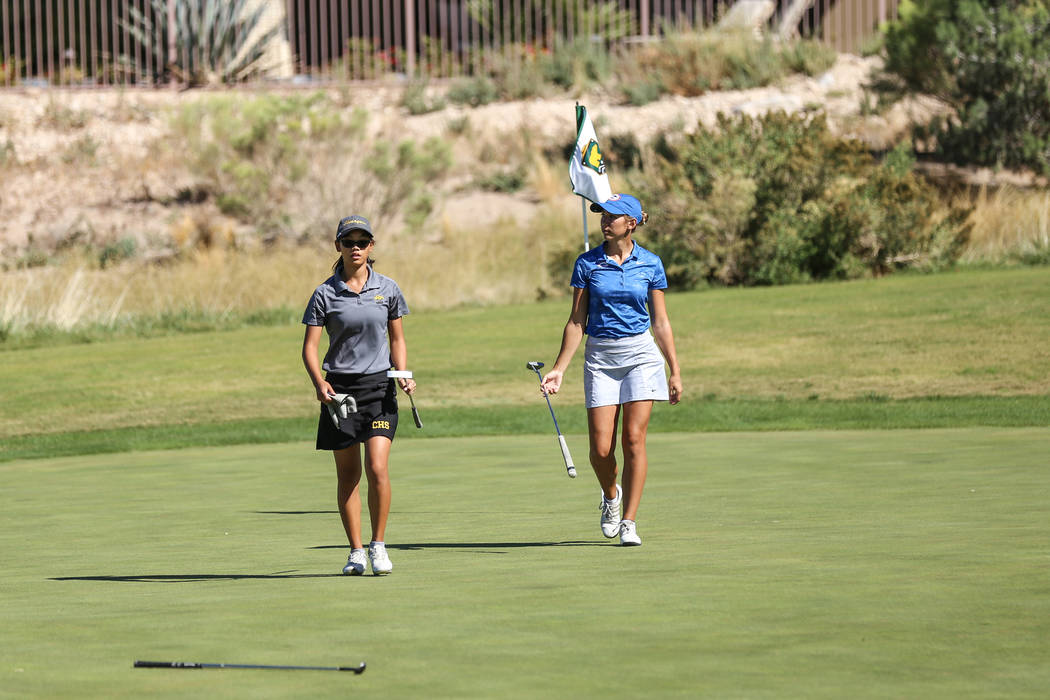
(376, 416)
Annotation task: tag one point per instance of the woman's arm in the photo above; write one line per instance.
(570, 341)
(399, 353)
(311, 341)
(665, 341)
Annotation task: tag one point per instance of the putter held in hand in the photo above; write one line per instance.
(406, 374)
(570, 468)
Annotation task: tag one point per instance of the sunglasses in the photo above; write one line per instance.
(361, 243)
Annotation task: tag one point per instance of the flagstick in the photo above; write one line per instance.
(586, 238)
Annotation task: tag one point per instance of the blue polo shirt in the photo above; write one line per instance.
(618, 295)
(356, 323)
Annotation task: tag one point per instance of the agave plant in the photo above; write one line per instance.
(216, 41)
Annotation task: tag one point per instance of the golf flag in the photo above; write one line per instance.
(587, 167)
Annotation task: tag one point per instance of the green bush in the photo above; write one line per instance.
(990, 61)
(780, 199)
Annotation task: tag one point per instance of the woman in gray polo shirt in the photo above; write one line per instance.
(361, 310)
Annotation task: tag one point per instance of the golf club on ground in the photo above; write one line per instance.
(407, 374)
(184, 664)
(569, 466)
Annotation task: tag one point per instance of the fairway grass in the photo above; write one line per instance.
(820, 564)
(699, 415)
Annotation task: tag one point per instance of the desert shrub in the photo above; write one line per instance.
(61, 118)
(290, 165)
(81, 151)
(518, 79)
(505, 181)
(8, 155)
(682, 63)
(117, 251)
(417, 100)
(522, 71)
(780, 199)
(990, 61)
(577, 63)
(362, 60)
(1011, 226)
(11, 70)
(692, 63)
(246, 152)
(605, 19)
(476, 91)
(402, 171)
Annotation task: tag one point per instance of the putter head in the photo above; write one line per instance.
(534, 366)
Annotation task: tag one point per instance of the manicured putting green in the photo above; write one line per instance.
(805, 564)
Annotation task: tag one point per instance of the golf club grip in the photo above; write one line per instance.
(166, 664)
(569, 466)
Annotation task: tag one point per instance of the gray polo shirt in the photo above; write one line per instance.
(356, 323)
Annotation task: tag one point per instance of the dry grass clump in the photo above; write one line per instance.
(211, 283)
(451, 266)
(1010, 225)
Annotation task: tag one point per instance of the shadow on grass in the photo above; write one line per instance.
(296, 512)
(190, 578)
(474, 545)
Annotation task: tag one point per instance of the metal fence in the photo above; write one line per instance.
(98, 43)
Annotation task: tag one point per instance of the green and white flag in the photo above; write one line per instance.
(587, 167)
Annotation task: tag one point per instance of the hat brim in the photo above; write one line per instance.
(349, 231)
(611, 207)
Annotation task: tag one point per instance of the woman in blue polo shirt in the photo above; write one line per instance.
(617, 298)
(361, 310)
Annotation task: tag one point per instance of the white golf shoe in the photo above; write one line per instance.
(381, 563)
(355, 563)
(628, 534)
(611, 513)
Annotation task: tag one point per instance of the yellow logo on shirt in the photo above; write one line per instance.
(379, 298)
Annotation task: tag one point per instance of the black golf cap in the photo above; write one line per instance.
(354, 222)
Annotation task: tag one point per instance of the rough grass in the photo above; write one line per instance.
(819, 565)
(966, 334)
(453, 265)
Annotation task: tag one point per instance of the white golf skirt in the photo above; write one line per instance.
(620, 370)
